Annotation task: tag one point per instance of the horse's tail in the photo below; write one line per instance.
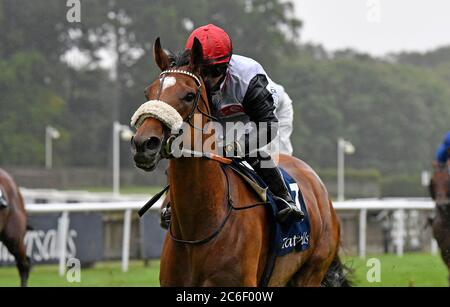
(338, 275)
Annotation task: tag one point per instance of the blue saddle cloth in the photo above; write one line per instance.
(285, 238)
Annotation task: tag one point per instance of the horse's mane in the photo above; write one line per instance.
(179, 59)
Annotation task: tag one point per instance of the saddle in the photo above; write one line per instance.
(287, 237)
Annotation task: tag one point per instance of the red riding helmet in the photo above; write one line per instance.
(217, 46)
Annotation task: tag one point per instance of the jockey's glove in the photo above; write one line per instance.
(233, 149)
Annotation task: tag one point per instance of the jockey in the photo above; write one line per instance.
(3, 202)
(443, 151)
(242, 91)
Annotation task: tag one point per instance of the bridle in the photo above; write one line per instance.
(197, 95)
(166, 149)
(195, 106)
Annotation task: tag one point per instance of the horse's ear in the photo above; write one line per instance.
(161, 58)
(196, 56)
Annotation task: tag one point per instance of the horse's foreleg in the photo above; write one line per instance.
(22, 262)
(17, 249)
(23, 265)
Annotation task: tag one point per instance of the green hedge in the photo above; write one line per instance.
(403, 186)
(371, 175)
(390, 186)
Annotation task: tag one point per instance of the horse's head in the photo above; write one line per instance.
(171, 100)
(440, 184)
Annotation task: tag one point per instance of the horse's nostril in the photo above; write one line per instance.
(152, 143)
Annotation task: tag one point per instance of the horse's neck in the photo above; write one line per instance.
(444, 210)
(198, 196)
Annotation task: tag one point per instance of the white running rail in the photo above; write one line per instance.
(361, 205)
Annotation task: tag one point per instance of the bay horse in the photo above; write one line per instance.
(13, 225)
(440, 193)
(208, 243)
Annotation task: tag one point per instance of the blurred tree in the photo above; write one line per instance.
(42, 83)
(432, 59)
(393, 114)
(87, 118)
(127, 30)
(26, 104)
(82, 76)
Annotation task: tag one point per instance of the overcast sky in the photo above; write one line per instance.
(376, 26)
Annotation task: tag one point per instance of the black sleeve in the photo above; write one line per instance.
(258, 101)
(259, 105)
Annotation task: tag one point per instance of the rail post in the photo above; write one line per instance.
(362, 232)
(126, 240)
(63, 229)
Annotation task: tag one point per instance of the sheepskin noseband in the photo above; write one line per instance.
(159, 110)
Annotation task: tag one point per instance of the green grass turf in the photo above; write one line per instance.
(420, 270)
(105, 274)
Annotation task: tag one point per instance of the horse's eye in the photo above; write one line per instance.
(189, 97)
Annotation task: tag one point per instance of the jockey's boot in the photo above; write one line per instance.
(3, 202)
(287, 209)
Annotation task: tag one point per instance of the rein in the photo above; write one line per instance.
(231, 207)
